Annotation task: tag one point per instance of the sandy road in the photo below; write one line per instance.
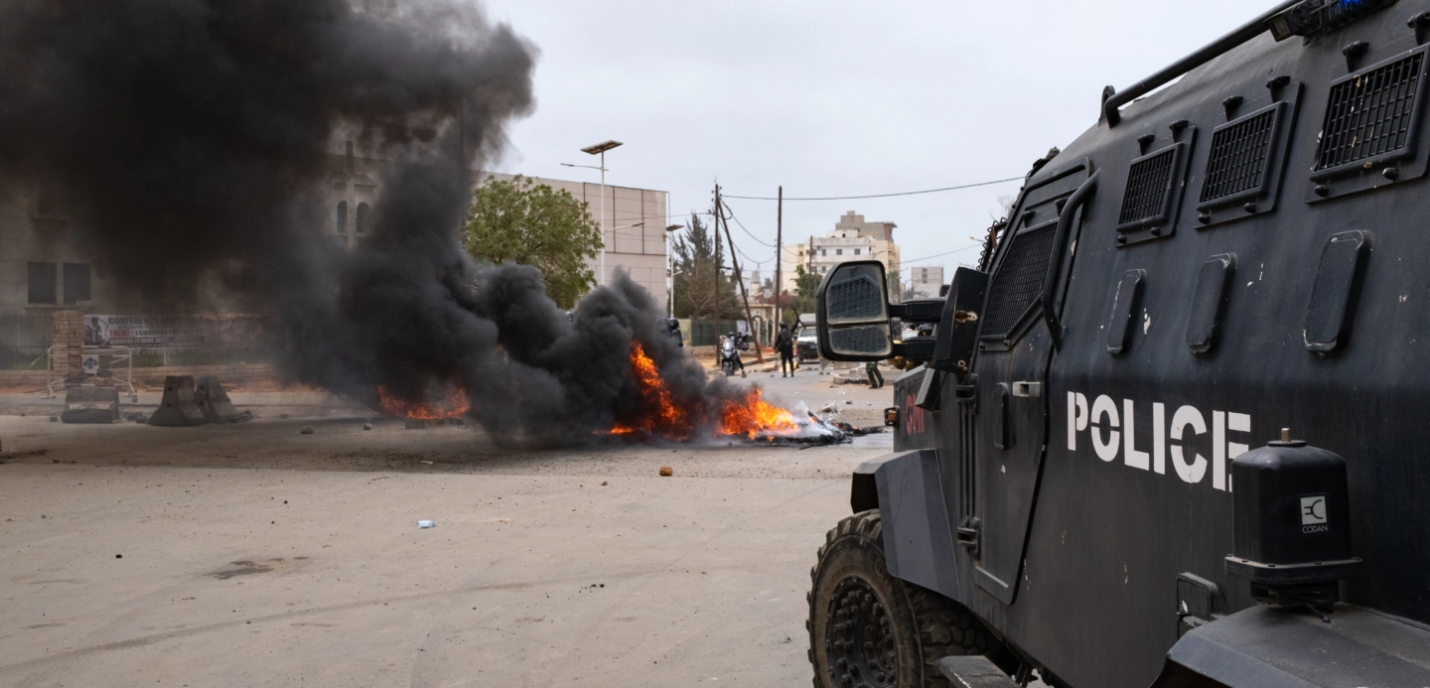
(252, 555)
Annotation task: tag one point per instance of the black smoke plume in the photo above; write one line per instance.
(188, 140)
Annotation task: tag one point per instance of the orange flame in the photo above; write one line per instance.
(754, 416)
(660, 415)
(453, 405)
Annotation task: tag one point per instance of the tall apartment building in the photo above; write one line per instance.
(851, 239)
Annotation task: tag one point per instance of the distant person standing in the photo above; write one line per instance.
(876, 378)
(784, 343)
(672, 330)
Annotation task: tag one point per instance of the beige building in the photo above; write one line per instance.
(42, 270)
(38, 273)
(635, 236)
(924, 280)
(851, 239)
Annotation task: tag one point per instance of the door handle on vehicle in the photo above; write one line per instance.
(1028, 389)
(1075, 202)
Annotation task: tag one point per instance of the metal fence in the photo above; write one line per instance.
(707, 332)
(24, 339)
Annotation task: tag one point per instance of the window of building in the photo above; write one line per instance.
(838, 251)
(42, 283)
(76, 282)
(342, 217)
(823, 252)
(360, 222)
(856, 251)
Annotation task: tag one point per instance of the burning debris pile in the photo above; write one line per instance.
(741, 414)
(188, 141)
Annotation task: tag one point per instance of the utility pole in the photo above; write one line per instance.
(779, 254)
(716, 284)
(739, 276)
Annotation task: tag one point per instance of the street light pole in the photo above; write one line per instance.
(600, 149)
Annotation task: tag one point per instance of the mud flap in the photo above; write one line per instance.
(1268, 647)
(918, 545)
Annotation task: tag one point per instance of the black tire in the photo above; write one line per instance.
(868, 629)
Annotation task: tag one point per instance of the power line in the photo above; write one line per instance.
(940, 255)
(742, 226)
(885, 195)
(760, 263)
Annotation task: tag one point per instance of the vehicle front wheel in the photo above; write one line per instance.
(869, 629)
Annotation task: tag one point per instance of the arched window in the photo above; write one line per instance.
(360, 222)
(342, 217)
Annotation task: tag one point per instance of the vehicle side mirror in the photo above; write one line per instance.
(852, 307)
(958, 324)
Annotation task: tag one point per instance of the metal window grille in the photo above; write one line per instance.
(1239, 157)
(1019, 280)
(1370, 115)
(1147, 186)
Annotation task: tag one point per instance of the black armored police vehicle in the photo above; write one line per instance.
(1174, 429)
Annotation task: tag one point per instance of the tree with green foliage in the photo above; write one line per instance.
(806, 283)
(520, 221)
(695, 279)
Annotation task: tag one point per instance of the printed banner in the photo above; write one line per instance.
(143, 330)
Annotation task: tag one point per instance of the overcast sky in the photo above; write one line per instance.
(836, 98)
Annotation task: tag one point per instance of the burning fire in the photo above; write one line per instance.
(660, 415)
(453, 405)
(753, 416)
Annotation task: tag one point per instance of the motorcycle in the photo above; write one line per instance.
(730, 356)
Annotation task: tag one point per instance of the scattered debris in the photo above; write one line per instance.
(91, 404)
(426, 524)
(136, 416)
(282, 416)
(427, 463)
(603, 483)
(54, 419)
(307, 430)
(666, 471)
(367, 426)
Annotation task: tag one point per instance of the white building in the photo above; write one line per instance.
(851, 239)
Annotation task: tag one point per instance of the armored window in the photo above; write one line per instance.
(1152, 197)
(1370, 115)
(360, 225)
(342, 217)
(1149, 189)
(1239, 156)
(1019, 280)
(1368, 137)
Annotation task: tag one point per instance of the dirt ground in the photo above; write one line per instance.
(251, 554)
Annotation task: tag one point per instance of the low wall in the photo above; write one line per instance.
(239, 372)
